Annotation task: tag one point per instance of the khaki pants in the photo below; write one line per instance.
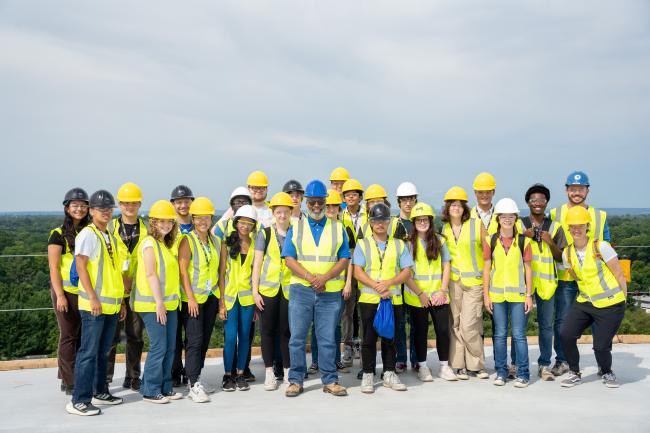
(347, 317)
(466, 345)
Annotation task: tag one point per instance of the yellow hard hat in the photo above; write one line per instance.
(456, 193)
(163, 210)
(484, 182)
(281, 199)
(202, 206)
(257, 178)
(422, 209)
(375, 191)
(333, 197)
(129, 192)
(578, 215)
(339, 173)
(352, 185)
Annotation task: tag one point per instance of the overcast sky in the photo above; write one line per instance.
(94, 94)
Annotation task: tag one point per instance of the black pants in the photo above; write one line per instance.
(420, 321)
(369, 344)
(133, 328)
(274, 321)
(181, 343)
(580, 317)
(198, 331)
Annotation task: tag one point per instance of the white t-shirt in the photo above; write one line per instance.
(87, 244)
(264, 215)
(486, 216)
(606, 251)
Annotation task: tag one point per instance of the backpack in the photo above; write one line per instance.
(521, 241)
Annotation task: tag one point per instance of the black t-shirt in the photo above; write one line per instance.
(404, 229)
(130, 234)
(350, 233)
(57, 238)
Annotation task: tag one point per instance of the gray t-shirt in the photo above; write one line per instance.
(606, 251)
(260, 241)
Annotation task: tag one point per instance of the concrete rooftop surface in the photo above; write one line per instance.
(32, 402)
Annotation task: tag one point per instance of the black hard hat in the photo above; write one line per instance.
(292, 186)
(102, 199)
(75, 194)
(379, 212)
(538, 187)
(181, 191)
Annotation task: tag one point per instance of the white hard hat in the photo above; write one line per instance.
(406, 189)
(239, 191)
(246, 211)
(506, 205)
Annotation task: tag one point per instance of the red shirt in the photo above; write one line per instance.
(506, 243)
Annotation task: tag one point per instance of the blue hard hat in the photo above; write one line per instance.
(316, 188)
(577, 178)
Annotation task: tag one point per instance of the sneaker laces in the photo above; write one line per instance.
(609, 376)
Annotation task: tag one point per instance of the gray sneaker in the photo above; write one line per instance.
(348, 354)
(609, 379)
(512, 371)
(560, 368)
(520, 382)
(573, 380)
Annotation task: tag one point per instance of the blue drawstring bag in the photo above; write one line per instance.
(74, 276)
(384, 322)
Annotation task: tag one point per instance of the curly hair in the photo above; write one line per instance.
(445, 211)
(169, 238)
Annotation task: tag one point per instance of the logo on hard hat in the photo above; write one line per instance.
(577, 177)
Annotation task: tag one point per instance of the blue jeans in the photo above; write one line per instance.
(337, 336)
(518, 318)
(323, 309)
(157, 376)
(237, 330)
(565, 296)
(97, 334)
(545, 311)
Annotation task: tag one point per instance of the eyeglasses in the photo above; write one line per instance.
(78, 206)
(538, 200)
(257, 188)
(422, 220)
(407, 199)
(104, 209)
(239, 202)
(246, 223)
(312, 202)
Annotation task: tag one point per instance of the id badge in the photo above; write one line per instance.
(125, 265)
(208, 285)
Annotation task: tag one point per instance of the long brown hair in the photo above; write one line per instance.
(431, 240)
(445, 211)
(68, 229)
(169, 238)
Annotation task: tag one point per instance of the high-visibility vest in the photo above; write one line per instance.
(508, 275)
(203, 268)
(226, 228)
(427, 274)
(168, 276)
(596, 282)
(381, 270)
(67, 257)
(543, 264)
(275, 274)
(177, 240)
(105, 276)
(349, 221)
(492, 227)
(466, 252)
(114, 227)
(318, 259)
(366, 230)
(596, 231)
(238, 278)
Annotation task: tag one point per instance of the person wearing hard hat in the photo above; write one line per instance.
(464, 235)
(239, 197)
(101, 304)
(60, 257)
(381, 265)
(296, 192)
(258, 185)
(337, 178)
(316, 251)
(236, 303)
(181, 198)
(128, 228)
(374, 195)
(198, 260)
(602, 292)
(484, 188)
(508, 290)
(577, 188)
(271, 288)
(547, 241)
(156, 300)
(427, 292)
(354, 217)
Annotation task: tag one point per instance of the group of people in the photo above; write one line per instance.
(325, 269)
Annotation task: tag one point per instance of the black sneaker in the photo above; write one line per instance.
(106, 398)
(136, 383)
(157, 399)
(242, 383)
(248, 375)
(127, 383)
(63, 385)
(82, 409)
(228, 383)
(342, 368)
(278, 371)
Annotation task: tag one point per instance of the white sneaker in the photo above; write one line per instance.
(391, 380)
(270, 382)
(197, 393)
(447, 373)
(285, 381)
(424, 374)
(368, 383)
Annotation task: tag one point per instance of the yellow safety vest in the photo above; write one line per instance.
(427, 274)
(105, 276)
(596, 282)
(466, 252)
(508, 276)
(226, 228)
(543, 264)
(238, 278)
(177, 240)
(318, 259)
(275, 273)
(203, 268)
(596, 231)
(67, 257)
(114, 227)
(168, 276)
(348, 221)
(366, 230)
(381, 270)
(492, 228)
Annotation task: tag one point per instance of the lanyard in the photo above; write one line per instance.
(381, 255)
(207, 250)
(355, 220)
(107, 241)
(128, 238)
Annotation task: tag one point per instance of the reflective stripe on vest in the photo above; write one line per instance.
(272, 278)
(395, 291)
(169, 289)
(503, 265)
(239, 276)
(608, 291)
(67, 257)
(201, 292)
(476, 271)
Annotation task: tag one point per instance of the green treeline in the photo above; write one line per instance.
(24, 283)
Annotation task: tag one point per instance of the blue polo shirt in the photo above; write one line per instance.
(289, 250)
